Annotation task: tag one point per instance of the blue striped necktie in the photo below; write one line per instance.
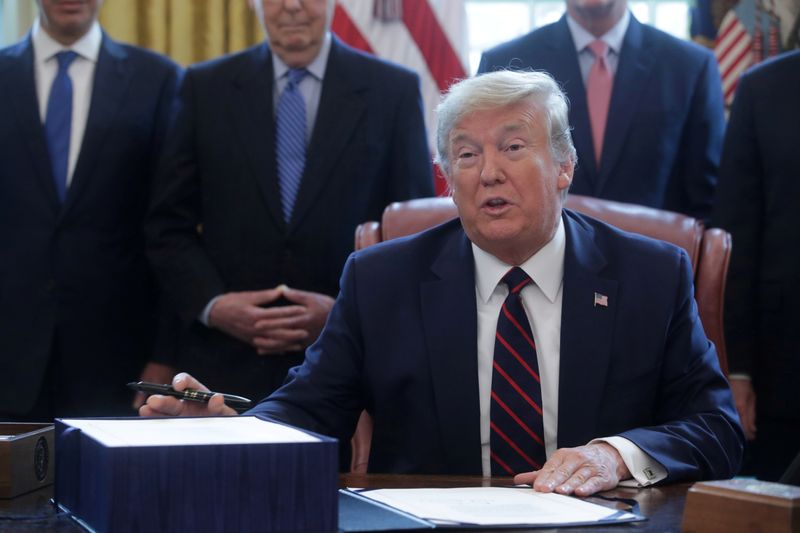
(291, 140)
(58, 122)
(517, 432)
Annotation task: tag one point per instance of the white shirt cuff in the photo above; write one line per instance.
(644, 469)
(203, 318)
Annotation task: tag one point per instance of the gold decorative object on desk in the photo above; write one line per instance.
(737, 505)
(26, 457)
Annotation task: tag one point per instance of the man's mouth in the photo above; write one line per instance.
(495, 202)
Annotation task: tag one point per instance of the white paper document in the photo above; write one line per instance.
(188, 431)
(494, 506)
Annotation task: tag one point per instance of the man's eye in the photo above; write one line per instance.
(514, 147)
(466, 155)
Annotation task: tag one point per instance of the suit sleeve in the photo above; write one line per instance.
(411, 164)
(483, 65)
(174, 224)
(486, 64)
(739, 210)
(697, 163)
(165, 115)
(696, 434)
(324, 393)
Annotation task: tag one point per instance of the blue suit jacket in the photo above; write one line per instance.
(77, 272)
(368, 149)
(758, 193)
(665, 123)
(401, 342)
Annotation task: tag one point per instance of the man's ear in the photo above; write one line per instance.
(447, 179)
(565, 174)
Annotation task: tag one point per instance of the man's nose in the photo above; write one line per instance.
(292, 5)
(491, 168)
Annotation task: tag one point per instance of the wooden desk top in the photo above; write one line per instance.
(663, 505)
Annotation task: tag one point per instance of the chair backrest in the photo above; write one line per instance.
(709, 251)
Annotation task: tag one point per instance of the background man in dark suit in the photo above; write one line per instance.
(757, 202)
(361, 146)
(82, 127)
(423, 337)
(660, 143)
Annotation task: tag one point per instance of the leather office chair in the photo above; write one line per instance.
(709, 251)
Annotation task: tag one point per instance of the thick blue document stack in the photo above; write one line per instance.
(195, 474)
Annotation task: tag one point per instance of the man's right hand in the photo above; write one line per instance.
(237, 313)
(158, 405)
(745, 398)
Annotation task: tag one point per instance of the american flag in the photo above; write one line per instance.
(600, 299)
(748, 34)
(427, 36)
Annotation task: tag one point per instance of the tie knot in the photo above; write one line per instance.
(65, 59)
(295, 76)
(516, 279)
(599, 48)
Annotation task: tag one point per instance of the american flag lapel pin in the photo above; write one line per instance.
(600, 299)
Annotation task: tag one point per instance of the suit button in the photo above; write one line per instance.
(50, 285)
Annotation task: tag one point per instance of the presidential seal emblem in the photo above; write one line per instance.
(40, 459)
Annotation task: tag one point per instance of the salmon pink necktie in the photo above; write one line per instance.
(598, 95)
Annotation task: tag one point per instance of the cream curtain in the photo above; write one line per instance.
(17, 18)
(186, 30)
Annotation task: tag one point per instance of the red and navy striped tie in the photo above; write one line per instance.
(517, 433)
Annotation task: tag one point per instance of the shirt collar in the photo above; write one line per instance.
(45, 47)
(545, 267)
(613, 37)
(316, 68)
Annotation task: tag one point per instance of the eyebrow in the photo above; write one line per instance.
(460, 138)
(513, 126)
(509, 127)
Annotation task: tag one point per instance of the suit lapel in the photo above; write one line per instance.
(565, 68)
(20, 85)
(111, 79)
(636, 61)
(341, 106)
(585, 334)
(251, 108)
(449, 316)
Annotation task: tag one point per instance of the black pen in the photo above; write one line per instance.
(231, 400)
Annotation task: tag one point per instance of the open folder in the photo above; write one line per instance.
(469, 507)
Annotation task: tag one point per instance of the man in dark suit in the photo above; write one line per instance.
(433, 339)
(757, 202)
(656, 138)
(254, 285)
(82, 127)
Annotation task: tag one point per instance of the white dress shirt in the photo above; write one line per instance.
(613, 38)
(81, 72)
(542, 301)
(310, 86)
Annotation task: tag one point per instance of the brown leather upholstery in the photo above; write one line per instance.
(709, 251)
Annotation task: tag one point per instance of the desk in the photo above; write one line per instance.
(663, 505)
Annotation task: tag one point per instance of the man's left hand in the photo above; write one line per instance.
(581, 471)
(315, 310)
